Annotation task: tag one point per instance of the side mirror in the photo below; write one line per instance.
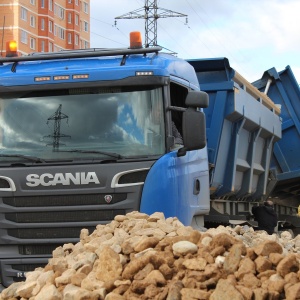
(197, 99)
(193, 122)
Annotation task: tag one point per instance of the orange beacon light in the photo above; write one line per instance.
(11, 49)
(135, 40)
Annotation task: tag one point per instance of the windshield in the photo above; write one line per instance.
(79, 124)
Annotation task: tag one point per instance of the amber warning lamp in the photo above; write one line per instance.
(135, 40)
(11, 49)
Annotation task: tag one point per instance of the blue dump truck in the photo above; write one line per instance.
(242, 126)
(252, 142)
(90, 134)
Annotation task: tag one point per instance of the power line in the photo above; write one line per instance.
(212, 33)
(197, 36)
(160, 26)
(111, 25)
(108, 38)
(151, 13)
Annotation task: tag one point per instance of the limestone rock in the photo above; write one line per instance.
(109, 267)
(184, 247)
(268, 247)
(11, 291)
(225, 290)
(49, 292)
(288, 264)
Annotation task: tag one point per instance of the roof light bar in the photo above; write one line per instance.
(82, 53)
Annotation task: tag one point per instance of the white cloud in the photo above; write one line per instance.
(296, 72)
(128, 120)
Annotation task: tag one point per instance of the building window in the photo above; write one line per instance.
(42, 46)
(84, 44)
(69, 1)
(69, 18)
(23, 37)
(50, 47)
(42, 24)
(76, 39)
(32, 2)
(62, 13)
(23, 13)
(50, 26)
(76, 19)
(76, 2)
(42, 3)
(51, 5)
(69, 38)
(85, 7)
(32, 43)
(32, 21)
(59, 11)
(59, 31)
(85, 26)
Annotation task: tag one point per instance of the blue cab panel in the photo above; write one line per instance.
(283, 89)
(170, 186)
(95, 68)
(242, 126)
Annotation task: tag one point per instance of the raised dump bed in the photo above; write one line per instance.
(283, 89)
(242, 126)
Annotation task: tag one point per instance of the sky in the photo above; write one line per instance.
(254, 35)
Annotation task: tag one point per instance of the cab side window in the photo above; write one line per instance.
(178, 94)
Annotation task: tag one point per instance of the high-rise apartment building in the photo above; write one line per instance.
(45, 25)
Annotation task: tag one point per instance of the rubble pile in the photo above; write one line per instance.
(138, 256)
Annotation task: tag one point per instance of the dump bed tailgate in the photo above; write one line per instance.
(283, 88)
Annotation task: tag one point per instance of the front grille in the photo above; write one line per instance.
(33, 226)
(47, 233)
(23, 269)
(62, 200)
(37, 249)
(63, 216)
(26, 268)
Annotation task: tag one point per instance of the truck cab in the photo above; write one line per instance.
(87, 135)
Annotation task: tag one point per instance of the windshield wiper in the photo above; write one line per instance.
(111, 154)
(31, 158)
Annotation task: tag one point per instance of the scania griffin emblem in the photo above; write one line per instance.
(108, 198)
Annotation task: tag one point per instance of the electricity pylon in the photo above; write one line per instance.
(57, 117)
(151, 13)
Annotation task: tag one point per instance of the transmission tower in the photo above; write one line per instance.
(151, 13)
(57, 117)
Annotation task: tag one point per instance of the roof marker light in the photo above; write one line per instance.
(80, 76)
(135, 40)
(143, 73)
(61, 77)
(44, 78)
